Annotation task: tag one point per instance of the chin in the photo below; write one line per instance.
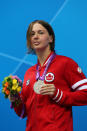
(37, 47)
(40, 48)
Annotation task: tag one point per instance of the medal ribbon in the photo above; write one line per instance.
(46, 68)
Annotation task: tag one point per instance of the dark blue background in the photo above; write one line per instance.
(69, 21)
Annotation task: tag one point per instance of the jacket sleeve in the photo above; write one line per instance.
(77, 82)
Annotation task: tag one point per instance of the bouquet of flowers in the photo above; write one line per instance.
(11, 86)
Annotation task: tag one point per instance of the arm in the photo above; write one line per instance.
(76, 98)
(20, 109)
(78, 84)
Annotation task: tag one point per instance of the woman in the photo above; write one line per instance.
(52, 86)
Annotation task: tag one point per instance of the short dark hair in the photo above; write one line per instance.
(47, 27)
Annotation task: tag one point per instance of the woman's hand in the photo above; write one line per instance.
(12, 98)
(48, 89)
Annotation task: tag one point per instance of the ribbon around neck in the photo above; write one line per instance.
(46, 68)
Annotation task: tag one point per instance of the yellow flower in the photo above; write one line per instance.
(14, 87)
(19, 89)
(14, 81)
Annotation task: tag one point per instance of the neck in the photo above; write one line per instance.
(42, 55)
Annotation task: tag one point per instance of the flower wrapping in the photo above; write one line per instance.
(11, 86)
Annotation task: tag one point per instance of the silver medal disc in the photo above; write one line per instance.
(38, 85)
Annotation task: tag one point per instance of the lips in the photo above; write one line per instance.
(36, 43)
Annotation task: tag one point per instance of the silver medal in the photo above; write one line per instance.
(38, 85)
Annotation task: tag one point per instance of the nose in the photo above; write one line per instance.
(36, 36)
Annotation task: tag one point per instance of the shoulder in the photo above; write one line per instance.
(66, 62)
(64, 59)
(30, 70)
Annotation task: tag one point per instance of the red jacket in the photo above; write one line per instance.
(45, 113)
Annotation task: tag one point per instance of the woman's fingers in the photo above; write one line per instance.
(47, 93)
(12, 98)
(48, 89)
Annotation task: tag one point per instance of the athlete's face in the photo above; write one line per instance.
(40, 37)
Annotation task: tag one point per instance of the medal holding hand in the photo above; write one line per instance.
(44, 89)
(48, 89)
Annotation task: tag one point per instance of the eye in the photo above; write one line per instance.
(41, 32)
(32, 33)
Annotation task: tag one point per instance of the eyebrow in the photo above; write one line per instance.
(38, 30)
